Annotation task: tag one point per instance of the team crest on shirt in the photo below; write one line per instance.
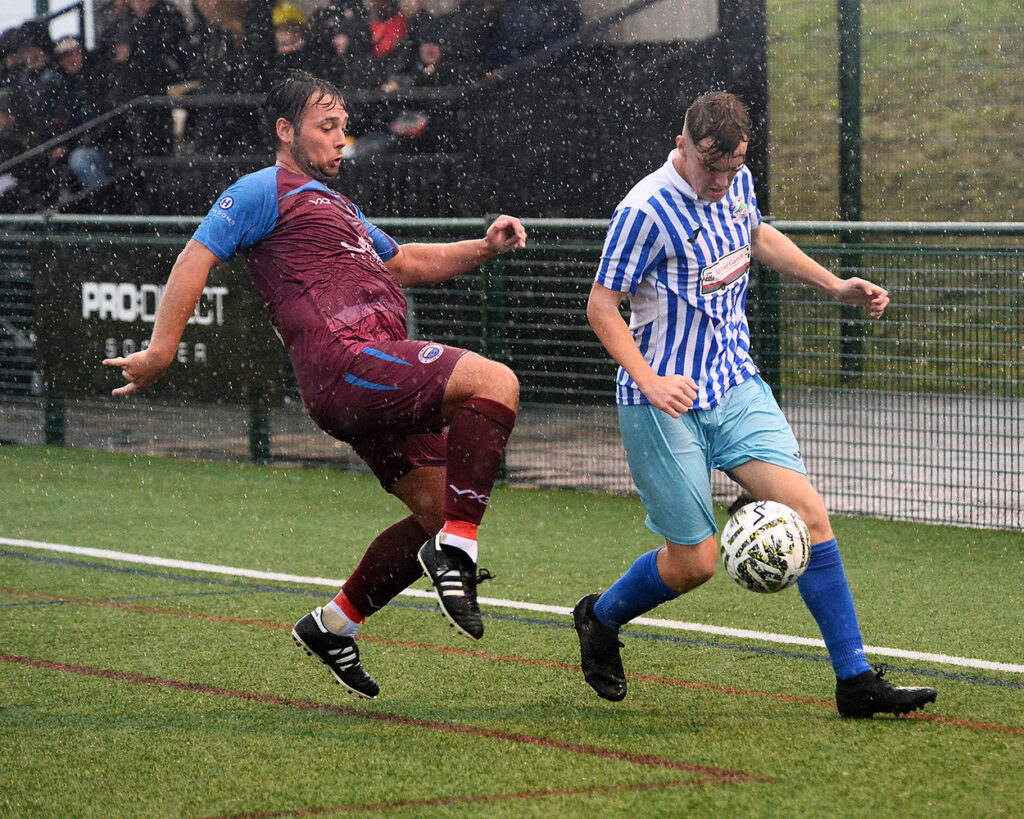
(430, 353)
(739, 211)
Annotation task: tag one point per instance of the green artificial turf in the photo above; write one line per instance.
(138, 690)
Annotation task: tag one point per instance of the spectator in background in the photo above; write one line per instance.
(293, 48)
(153, 46)
(10, 58)
(109, 19)
(341, 34)
(390, 50)
(233, 49)
(525, 26)
(471, 30)
(433, 63)
(114, 23)
(23, 188)
(36, 80)
(392, 30)
(146, 52)
(13, 133)
(81, 94)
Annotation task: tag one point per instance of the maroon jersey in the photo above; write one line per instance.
(318, 264)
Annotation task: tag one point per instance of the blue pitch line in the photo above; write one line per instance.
(132, 599)
(515, 618)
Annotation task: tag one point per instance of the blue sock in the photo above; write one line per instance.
(639, 590)
(826, 593)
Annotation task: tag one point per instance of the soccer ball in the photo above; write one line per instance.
(765, 546)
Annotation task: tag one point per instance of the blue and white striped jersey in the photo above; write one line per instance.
(685, 264)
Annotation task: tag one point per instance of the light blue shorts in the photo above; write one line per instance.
(671, 458)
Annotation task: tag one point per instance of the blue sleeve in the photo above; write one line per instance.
(245, 213)
(630, 249)
(385, 246)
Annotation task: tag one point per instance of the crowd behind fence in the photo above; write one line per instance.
(918, 416)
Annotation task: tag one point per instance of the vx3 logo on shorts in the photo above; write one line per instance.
(481, 499)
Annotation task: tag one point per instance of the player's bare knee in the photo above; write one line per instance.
(478, 377)
(816, 518)
(702, 572)
(505, 386)
(684, 568)
(496, 382)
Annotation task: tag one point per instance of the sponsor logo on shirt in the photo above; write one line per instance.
(725, 271)
(226, 203)
(222, 215)
(430, 353)
(363, 245)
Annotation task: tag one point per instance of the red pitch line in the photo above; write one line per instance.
(466, 800)
(790, 699)
(720, 775)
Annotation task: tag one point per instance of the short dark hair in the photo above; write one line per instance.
(722, 117)
(292, 94)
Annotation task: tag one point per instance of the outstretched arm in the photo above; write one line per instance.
(184, 288)
(673, 394)
(430, 263)
(777, 251)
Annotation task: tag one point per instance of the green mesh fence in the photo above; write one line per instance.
(918, 416)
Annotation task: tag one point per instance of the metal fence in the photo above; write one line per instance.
(918, 416)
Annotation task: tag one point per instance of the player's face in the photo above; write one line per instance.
(315, 146)
(710, 178)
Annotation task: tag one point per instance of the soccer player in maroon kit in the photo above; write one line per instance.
(332, 281)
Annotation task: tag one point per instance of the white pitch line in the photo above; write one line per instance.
(675, 625)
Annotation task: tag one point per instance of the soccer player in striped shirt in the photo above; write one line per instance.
(690, 398)
(332, 283)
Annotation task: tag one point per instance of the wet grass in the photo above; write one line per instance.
(134, 690)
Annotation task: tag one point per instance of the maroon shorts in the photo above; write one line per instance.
(387, 405)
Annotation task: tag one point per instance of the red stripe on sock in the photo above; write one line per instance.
(347, 608)
(460, 528)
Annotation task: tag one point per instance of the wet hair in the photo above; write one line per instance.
(291, 95)
(722, 117)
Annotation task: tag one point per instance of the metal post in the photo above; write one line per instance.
(766, 325)
(851, 329)
(491, 311)
(54, 421)
(849, 111)
(259, 434)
